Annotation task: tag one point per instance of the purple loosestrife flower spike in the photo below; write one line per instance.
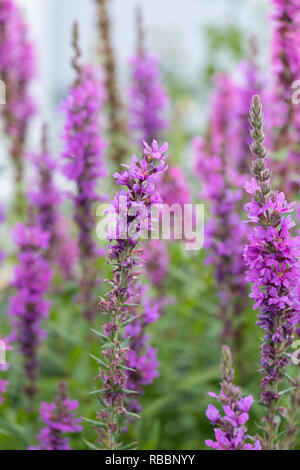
(117, 127)
(225, 232)
(46, 197)
(59, 420)
(134, 206)
(17, 69)
(230, 430)
(28, 306)
(286, 69)
(147, 97)
(272, 258)
(84, 154)
(285, 115)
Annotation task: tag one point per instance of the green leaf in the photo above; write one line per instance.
(99, 361)
(90, 445)
(127, 322)
(100, 335)
(102, 390)
(95, 423)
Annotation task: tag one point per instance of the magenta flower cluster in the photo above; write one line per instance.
(272, 258)
(148, 98)
(47, 198)
(138, 178)
(225, 232)
(59, 420)
(84, 151)
(17, 68)
(230, 430)
(28, 306)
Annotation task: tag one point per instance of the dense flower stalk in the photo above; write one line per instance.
(286, 68)
(230, 430)
(46, 197)
(17, 69)
(225, 232)
(249, 85)
(84, 154)
(4, 365)
(28, 306)
(131, 212)
(116, 122)
(147, 96)
(272, 258)
(59, 420)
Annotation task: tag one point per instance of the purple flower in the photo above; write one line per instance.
(272, 258)
(230, 431)
(59, 419)
(17, 69)
(28, 306)
(147, 96)
(225, 231)
(124, 253)
(84, 157)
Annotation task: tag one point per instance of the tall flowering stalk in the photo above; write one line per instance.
(286, 68)
(250, 85)
(59, 420)
(84, 155)
(147, 96)
(17, 69)
(230, 430)
(46, 197)
(116, 122)
(28, 306)
(272, 258)
(225, 232)
(131, 213)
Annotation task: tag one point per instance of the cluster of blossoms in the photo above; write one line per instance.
(17, 68)
(148, 98)
(230, 431)
(286, 68)
(284, 112)
(28, 306)
(225, 232)
(47, 197)
(124, 254)
(272, 258)
(59, 420)
(116, 122)
(4, 347)
(84, 153)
